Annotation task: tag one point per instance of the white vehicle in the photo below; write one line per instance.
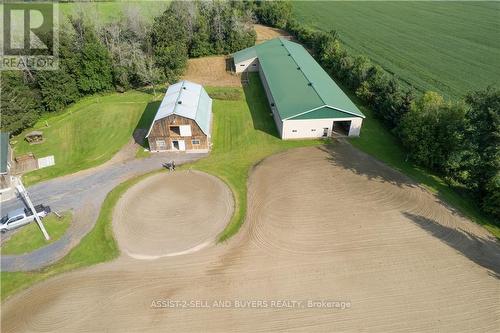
(19, 217)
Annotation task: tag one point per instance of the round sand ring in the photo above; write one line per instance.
(171, 214)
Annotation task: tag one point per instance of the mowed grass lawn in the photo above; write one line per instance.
(30, 238)
(448, 47)
(85, 135)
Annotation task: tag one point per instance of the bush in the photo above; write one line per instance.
(432, 132)
(274, 13)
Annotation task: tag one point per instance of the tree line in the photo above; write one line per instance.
(460, 140)
(124, 54)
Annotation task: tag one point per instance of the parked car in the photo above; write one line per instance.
(19, 217)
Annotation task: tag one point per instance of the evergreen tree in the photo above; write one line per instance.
(20, 102)
(57, 89)
(94, 74)
(170, 41)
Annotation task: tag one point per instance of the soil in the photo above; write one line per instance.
(264, 33)
(212, 71)
(172, 213)
(323, 225)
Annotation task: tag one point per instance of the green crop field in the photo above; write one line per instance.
(448, 47)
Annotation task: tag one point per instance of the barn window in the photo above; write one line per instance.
(294, 131)
(313, 130)
(242, 65)
(195, 142)
(254, 65)
(161, 145)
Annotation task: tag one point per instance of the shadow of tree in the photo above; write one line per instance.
(344, 155)
(144, 123)
(256, 99)
(483, 251)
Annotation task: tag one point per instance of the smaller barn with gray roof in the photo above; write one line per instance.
(305, 101)
(183, 120)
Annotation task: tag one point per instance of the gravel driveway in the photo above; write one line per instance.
(83, 193)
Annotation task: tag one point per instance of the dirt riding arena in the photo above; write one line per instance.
(322, 226)
(166, 214)
(211, 71)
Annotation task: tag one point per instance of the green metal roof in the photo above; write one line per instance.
(244, 54)
(297, 82)
(4, 151)
(325, 112)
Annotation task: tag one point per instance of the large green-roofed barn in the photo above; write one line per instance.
(305, 101)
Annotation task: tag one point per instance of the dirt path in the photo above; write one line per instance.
(166, 215)
(322, 225)
(265, 33)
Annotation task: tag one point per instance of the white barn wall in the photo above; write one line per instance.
(250, 65)
(304, 127)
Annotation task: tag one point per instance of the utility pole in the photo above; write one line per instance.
(22, 190)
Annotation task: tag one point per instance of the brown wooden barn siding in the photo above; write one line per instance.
(161, 131)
